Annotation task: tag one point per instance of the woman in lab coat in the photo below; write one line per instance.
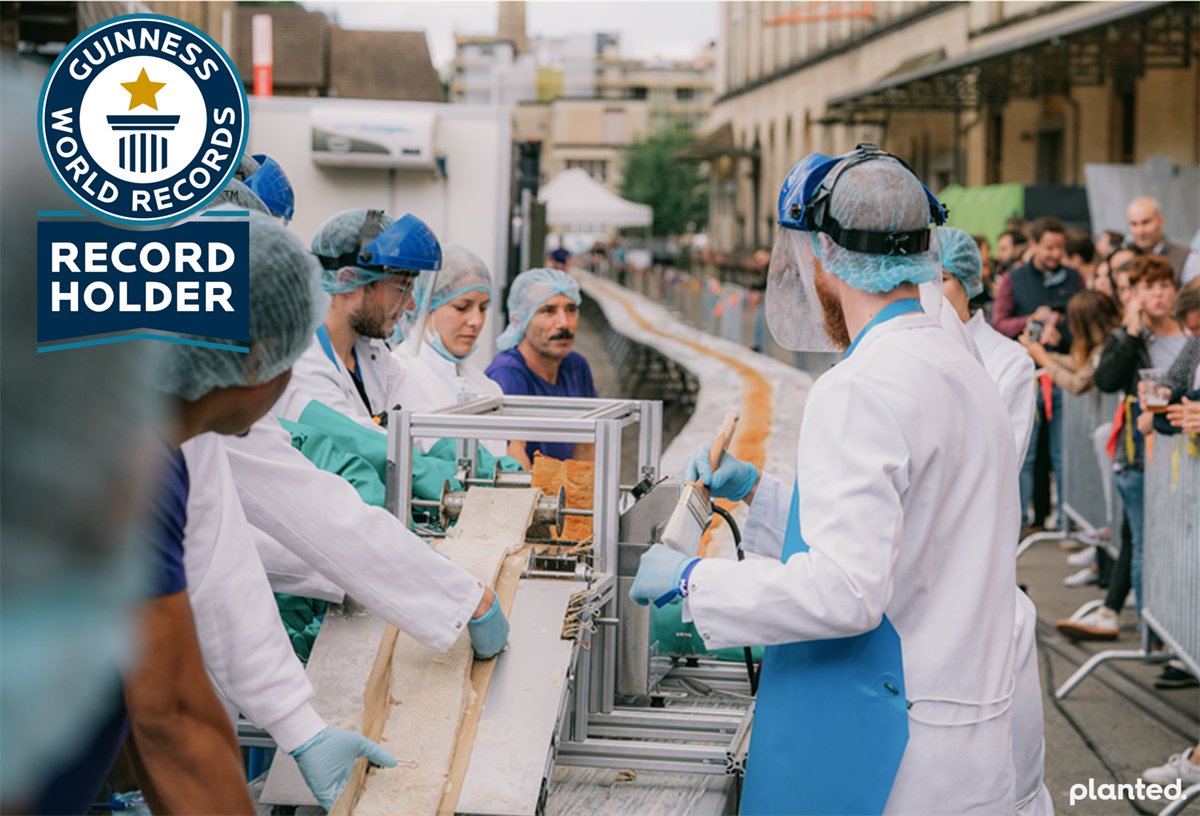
(439, 374)
(889, 615)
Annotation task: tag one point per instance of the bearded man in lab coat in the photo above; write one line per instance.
(889, 614)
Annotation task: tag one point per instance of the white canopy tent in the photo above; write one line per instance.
(574, 200)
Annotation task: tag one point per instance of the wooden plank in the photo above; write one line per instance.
(481, 680)
(429, 692)
(374, 717)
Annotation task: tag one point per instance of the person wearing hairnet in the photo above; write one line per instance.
(1009, 366)
(246, 651)
(369, 264)
(889, 615)
(75, 489)
(536, 357)
(440, 374)
(316, 536)
(1013, 372)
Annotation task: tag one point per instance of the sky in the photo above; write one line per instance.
(671, 30)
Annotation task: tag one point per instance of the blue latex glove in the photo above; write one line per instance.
(733, 480)
(489, 633)
(327, 760)
(659, 575)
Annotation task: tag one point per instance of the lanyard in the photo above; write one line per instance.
(893, 309)
(327, 345)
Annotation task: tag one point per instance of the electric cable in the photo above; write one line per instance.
(751, 672)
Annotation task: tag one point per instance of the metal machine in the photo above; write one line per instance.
(583, 682)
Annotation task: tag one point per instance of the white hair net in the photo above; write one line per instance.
(462, 271)
(238, 196)
(338, 236)
(961, 258)
(286, 305)
(76, 425)
(530, 290)
(879, 196)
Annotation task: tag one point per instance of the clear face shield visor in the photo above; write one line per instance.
(793, 309)
(794, 312)
(411, 326)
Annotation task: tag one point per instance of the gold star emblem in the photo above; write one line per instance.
(142, 91)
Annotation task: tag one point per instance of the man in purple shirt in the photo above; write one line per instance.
(536, 357)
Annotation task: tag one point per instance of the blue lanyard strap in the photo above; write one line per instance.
(893, 309)
(327, 345)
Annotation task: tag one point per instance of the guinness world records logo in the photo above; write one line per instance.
(143, 119)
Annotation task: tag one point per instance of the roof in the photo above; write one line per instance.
(382, 65)
(717, 142)
(574, 198)
(300, 46)
(1126, 37)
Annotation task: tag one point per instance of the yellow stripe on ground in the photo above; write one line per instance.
(754, 427)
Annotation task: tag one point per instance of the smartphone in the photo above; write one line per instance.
(1035, 331)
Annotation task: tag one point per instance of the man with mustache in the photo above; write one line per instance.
(536, 357)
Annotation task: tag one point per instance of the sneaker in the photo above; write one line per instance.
(1178, 767)
(1083, 558)
(1086, 576)
(1175, 676)
(1099, 624)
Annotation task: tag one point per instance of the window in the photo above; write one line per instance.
(596, 168)
(614, 126)
(637, 92)
(685, 94)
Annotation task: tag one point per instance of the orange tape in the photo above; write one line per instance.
(749, 444)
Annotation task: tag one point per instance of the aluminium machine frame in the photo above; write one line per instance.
(588, 728)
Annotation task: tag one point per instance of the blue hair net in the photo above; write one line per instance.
(880, 196)
(961, 258)
(339, 236)
(286, 305)
(530, 290)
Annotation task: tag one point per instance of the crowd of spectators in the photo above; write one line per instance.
(1099, 314)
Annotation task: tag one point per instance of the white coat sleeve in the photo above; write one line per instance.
(1018, 389)
(852, 473)
(246, 650)
(291, 576)
(766, 523)
(364, 550)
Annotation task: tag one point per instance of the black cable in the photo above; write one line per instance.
(1087, 739)
(751, 672)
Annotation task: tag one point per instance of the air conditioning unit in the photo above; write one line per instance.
(370, 137)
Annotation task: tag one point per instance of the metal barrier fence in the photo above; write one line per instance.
(1084, 503)
(1171, 547)
(1083, 479)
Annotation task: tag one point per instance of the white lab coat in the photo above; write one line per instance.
(934, 302)
(1029, 743)
(431, 381)
(1012, 369)
(909, 503)
(246, 650)
(320, 519)
(316, 377)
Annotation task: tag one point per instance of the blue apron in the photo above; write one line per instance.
(831, 721)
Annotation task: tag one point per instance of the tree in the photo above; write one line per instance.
(674, 190)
